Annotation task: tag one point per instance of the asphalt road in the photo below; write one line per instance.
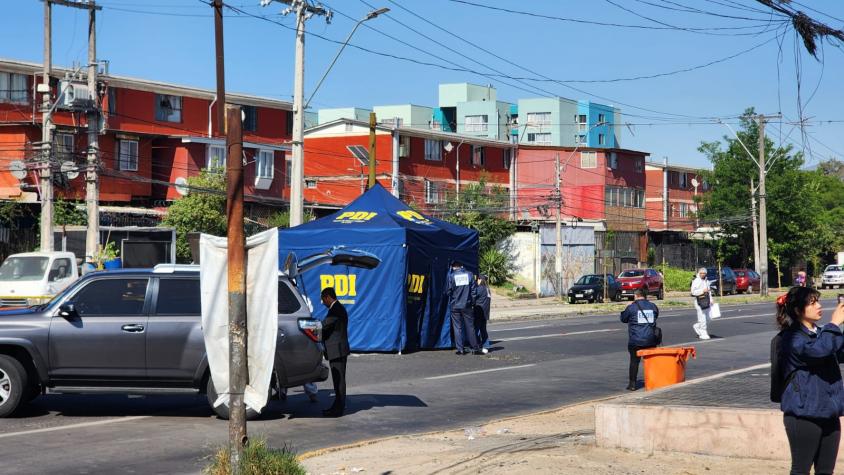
(535, 365)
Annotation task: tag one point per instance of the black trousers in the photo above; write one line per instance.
(480, 326)
(338, 377)
(812, 442)
(463, 325)
(633, 371)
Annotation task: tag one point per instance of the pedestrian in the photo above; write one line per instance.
(800, 280)
(336, 341)
(460, 291)
(703, 303)
(813, 397)
(640, 317)
(483, 298)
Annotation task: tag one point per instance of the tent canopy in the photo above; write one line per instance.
(400, 303)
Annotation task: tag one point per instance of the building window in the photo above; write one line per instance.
(639, 165)
(168, 108)
(127, 155)
(613, 160)
(216, 157)
(13, 88)
(432, 192)
(250, 118)
(404, 146)
(436, 125)
(683, 180)
(624, 197)
(602, 118)
(588, 159)
(64, 147)
(580, 139)
(543, 138)
(476, 123)
(112, 101)
(264, 164)
(508, 158)
(288, 118)
(311, 184)
(393, 122)
(538, 119)
(602, 140)
(478, 155)
(288, 171)
(684, 210)
(433, 150)
(581, 123)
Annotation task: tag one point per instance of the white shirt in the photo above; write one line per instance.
(699, 286)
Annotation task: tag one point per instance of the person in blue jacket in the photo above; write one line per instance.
(813, 398)
(640, 317)
(460, 291)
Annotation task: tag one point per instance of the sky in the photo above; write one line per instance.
(757, 58)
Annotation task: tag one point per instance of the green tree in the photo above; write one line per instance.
(281, 219)
(65, 213)
(203, 210)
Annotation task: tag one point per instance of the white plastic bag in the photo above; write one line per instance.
(714, 311)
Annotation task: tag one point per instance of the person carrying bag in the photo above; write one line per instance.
(703, 303)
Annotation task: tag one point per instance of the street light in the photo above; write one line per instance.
(369, 16)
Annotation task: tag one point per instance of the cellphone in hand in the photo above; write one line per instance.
(840, 299)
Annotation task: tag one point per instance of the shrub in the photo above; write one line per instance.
(675, 278)
(258, 459)
(496, 265)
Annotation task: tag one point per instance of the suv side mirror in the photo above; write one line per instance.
(68, 310)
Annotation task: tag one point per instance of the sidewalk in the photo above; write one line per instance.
(573, 440)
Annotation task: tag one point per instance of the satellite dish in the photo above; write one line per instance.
(18, 169)
(70, 169)
(695, 183)
(182, 186)
(448, 147)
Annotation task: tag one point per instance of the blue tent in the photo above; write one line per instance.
(400, 305)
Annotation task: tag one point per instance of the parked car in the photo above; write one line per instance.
(833, 276)
(728, 277)
(33, 278)
(633, 279)
(591, 289)
(747, 280)
(138, 331)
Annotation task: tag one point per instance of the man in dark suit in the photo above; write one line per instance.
(336, 340)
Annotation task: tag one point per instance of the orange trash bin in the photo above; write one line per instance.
(665, 366)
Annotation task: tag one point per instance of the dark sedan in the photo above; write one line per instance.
(728, 277)
(591, 289)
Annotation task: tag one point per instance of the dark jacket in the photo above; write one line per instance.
(640, 317)
(335, 332)
(460, 289)
(815, 387)
(482, 301)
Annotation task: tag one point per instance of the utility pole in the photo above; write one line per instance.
(236, 255)
(558, 197)
(755, 226)
(92, 192)
(372, 123)
(221, 72)
(763, 213)
(303, 10)
(46, 180)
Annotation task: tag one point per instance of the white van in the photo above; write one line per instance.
(32, 278)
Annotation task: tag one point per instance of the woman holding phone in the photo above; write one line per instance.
(813, 398)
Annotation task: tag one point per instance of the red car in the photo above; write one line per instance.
(747, 280)
(633, 279)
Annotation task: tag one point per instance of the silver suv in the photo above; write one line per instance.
(139, 332)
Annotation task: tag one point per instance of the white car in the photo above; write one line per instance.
(833, 276)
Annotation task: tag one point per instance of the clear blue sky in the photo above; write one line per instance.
(172, 41)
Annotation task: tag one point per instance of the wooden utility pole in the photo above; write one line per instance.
(45, 177)
(237, 286)
(92, 185)
(755, 226)
(221, 73)
(558, 197)
(372, 123)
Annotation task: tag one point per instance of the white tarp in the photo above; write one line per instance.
(261, 312)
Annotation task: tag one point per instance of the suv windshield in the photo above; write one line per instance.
(588, 280)
(834, 269)
(712, 273)
(24, 268)
(633, 273)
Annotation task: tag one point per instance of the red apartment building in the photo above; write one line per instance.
(670, 197)
(151, 133)
(419, 166)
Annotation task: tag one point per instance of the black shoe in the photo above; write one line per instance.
(631, 387)
(332, 413)
(459, 353)
(478, 353)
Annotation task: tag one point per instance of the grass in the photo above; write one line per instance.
(257, 459)
(676, 279)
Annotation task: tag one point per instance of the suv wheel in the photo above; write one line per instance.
(222, 410)
(12, 384)
(661, 294)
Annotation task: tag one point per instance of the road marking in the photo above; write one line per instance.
(554, 335)
(73, 426)
(516, 328)
(696, 342)
(745, 316)
(455, 375)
